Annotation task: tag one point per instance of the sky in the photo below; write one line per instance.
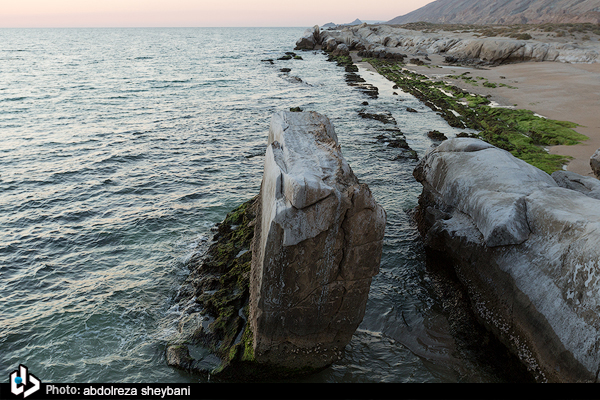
(197, 13)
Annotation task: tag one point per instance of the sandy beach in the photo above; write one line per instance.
(561, 91)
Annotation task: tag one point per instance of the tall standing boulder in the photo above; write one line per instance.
(317, 244)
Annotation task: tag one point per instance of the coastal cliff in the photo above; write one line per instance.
(525, 248)
(285, 284)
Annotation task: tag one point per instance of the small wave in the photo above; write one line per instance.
(192, 196)
(13, 99)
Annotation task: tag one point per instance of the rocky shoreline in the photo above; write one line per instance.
(489, 238)
(527, 271)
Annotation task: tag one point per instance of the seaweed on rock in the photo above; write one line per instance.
(219, 285)
(521, 132)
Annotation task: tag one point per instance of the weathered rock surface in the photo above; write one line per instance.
(525, 248)
(384, 41)
(309, 40)
(583, 184)
(595, 163)
(317, 245)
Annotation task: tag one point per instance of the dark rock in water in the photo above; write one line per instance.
(406, 154)
(365, 103)
(290, 53)
(395, 94)
(366, 88)
(383, 116)
(286, 57)
(269, 60)
(179, 356)
(295, 109)
(298, 58)
(352, 77)
(436, 135)
(285, 69)
(412, 110)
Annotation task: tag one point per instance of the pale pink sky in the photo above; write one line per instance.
(192, 13)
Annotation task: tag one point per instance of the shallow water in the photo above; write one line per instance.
(121, 148)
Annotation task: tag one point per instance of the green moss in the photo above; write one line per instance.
(519, 131)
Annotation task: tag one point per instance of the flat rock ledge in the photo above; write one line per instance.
(284, 285)
(525, 245)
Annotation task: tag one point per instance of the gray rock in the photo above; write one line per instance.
(341, 50)
(583, 184)
(525, 248)
(309, 40)
(317, 245)
(595, 163)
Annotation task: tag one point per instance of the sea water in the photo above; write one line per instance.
(121, 148)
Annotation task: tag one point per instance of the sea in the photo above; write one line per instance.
(121, 148)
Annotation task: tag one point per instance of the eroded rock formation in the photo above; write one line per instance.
(317, 245)
(525, 248)
(310, 39)
(384, 41)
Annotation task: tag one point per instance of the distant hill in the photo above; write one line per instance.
(504, 12)
(353, 23)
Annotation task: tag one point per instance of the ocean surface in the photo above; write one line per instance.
(121, 148)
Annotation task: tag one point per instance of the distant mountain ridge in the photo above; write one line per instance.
(504, 12)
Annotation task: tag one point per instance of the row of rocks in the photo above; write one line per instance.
(391, 42)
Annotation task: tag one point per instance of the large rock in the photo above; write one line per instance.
(525, 248)
(309, 40)
(595, 163)
(317, 245)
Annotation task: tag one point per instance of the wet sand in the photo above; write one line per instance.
(567, 92)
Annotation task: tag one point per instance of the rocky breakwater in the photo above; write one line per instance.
(284, 285)
(525, 245)
(384, 41)
(317, 245)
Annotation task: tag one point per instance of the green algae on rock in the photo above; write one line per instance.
(219, 285)
(521, 132)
